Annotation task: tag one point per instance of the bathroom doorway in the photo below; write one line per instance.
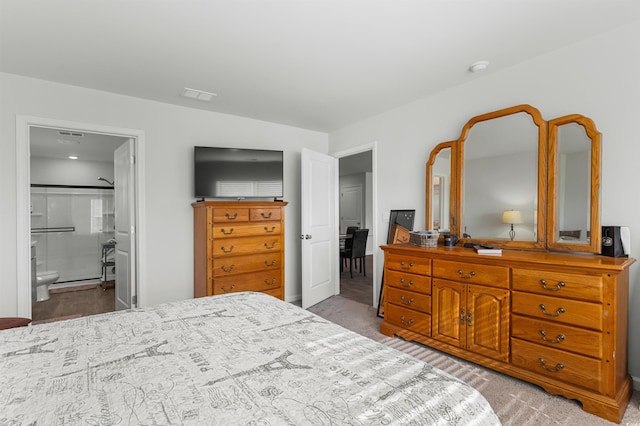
(70, 203)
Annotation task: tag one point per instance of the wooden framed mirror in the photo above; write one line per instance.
(501, 179)
(518, 181)
(574, 185)
(441, 187)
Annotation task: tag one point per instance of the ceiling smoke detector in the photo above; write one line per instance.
(196, 94)
(478, 66)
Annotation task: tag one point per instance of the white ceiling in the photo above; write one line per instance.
(54, 143)
(315, 64)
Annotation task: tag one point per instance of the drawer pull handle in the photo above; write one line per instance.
(225, 232)
(406, 302)
(468, 317)
(225, 250)
(266, 216)
(405, 322)
(557, 313)
(405, 284)
(559, 338)
(555, 369)
(234, 217)
(224, 268)
(556, 288)
(269, 247)
(406, 267)
(466, 277)
(229, 290)
(273, 263)
(462, 316)
(267, 281)
(273, 228)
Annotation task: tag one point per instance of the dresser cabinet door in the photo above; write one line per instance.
(448, 312)
(488, 321)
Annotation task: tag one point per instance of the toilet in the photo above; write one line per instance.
(43, 279)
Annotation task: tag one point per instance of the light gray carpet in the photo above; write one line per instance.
(516, 402)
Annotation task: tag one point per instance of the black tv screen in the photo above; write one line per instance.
(237, 173)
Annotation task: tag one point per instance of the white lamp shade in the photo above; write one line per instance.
(511, 216)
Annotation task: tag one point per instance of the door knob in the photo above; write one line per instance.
(305, 237)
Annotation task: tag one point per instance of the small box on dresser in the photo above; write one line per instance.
(238, 246)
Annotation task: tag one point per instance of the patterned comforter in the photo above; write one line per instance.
(237, 359)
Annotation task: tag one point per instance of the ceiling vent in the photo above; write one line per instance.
(199, 95)
(75, 134)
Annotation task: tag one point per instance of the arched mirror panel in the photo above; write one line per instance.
(574, 185)
(501, 179)
(440, 188)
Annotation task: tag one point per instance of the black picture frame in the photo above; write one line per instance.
(404, 218)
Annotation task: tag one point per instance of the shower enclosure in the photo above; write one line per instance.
(69, 225)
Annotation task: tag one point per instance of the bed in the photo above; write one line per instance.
(241, 359)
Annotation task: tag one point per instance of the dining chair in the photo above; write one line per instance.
(358, 250)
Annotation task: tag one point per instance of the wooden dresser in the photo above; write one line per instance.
(238, 246)
(556, 320)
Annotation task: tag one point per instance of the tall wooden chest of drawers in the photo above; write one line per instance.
(557, 320)
(238, 246)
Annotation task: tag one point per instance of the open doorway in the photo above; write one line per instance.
(85, 186)
(356, 211)
(72, 222)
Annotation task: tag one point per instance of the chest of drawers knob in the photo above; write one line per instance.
(230, 217)
(273, 228)
(405, 322)
(404, 266)
(227, 232)
(225, 250)
(230, 289)
(405, 301)
(466, 277)
(556, 288)
(406, 284)
(555, 369)
(557, 313)
(559, 338)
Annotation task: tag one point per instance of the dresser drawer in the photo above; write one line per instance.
(404, 263)
(230, 214)
(408, 319)
(558, 336)
(248, 245)
(242, 264)
(556, 309)
(225, 230)
(264, 213)
(406, 281)
(410, 299)
(257, 281)
(474, 273)
(557, 364)
(572, 286)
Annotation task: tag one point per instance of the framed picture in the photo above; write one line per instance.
(404, 220)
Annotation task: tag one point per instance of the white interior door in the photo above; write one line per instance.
(351, 207)
(319, 236)
(125, 255)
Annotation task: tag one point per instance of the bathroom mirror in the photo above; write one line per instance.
(574, 185)
(440, 188)
(502, 178)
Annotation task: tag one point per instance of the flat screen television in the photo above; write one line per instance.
(237, 173)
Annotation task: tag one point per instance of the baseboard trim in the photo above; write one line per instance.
(636, 383)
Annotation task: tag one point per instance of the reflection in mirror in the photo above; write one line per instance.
(439, 188)
(573, 186)
(500, 173)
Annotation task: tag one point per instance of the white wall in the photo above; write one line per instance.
(597, 77)
(170, 134)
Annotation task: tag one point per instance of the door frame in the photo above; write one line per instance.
(373, 147)
(23, 184)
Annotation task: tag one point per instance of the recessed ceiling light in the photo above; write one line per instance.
(73, 157)
(478, 66)
(199, 95)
